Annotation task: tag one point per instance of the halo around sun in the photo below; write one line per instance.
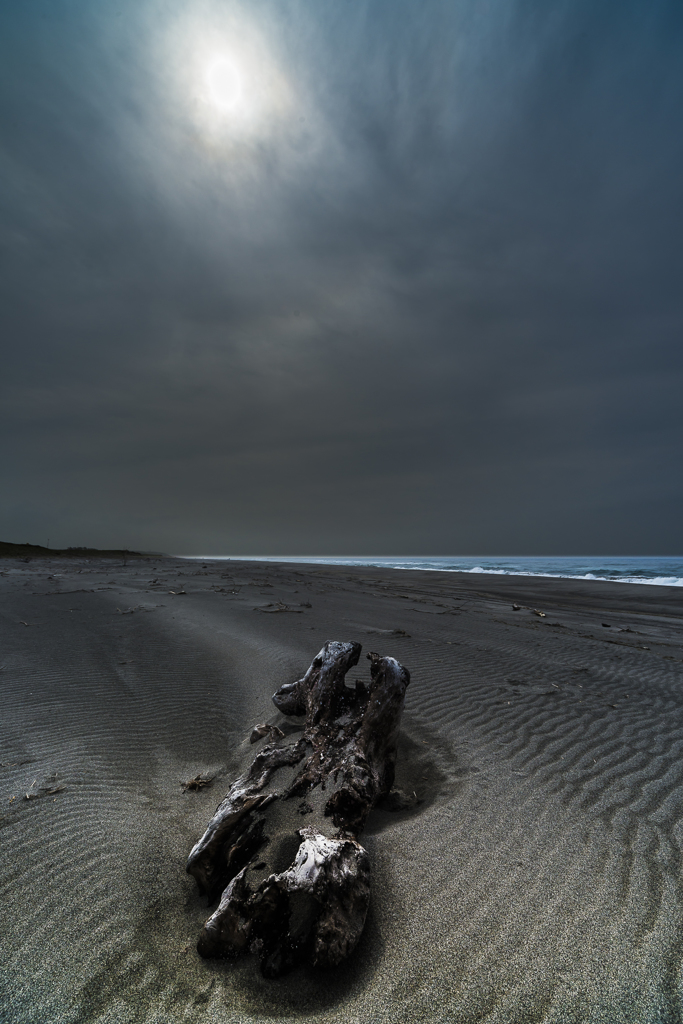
(226, 77)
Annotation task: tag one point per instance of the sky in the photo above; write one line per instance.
(342, 276)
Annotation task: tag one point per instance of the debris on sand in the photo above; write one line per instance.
(198, 782)
(49, 788)
(263, 729)
(280, 606)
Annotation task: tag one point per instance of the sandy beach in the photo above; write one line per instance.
(538, 879)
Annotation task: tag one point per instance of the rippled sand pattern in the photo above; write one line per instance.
(539, 878)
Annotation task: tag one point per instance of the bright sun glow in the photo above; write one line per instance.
(226, 78)
(224, 84)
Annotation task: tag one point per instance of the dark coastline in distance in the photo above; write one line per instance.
(8, 550)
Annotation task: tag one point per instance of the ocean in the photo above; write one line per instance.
(660, 570)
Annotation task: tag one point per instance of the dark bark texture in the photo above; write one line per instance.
(292, 893)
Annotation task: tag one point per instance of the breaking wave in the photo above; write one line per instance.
(663, 571)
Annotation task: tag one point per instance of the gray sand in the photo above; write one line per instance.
(539, 878)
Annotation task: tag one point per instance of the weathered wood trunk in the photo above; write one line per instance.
(303, 892)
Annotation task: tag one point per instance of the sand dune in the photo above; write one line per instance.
(539, 878)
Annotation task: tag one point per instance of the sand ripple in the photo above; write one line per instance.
(538, 880)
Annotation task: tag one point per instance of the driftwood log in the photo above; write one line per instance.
(301, 891)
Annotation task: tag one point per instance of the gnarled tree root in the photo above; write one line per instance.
(313, 909)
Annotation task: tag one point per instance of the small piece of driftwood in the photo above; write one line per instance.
(198, 782)
(300, 892)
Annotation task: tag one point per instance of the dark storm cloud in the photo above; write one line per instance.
(427, 300)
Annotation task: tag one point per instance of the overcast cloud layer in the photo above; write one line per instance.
(419, 290)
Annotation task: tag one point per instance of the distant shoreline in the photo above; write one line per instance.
(649, 570)
(643, 569)
(8, 550)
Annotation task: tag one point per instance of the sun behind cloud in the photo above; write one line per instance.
(225, 75)
(225, 84)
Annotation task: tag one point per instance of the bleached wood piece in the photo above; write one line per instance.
(315, 908)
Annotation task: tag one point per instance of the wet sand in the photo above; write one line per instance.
(538, 879)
